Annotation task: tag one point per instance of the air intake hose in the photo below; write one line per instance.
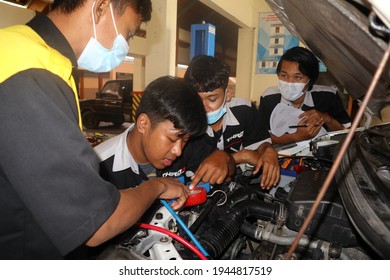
(218, 237)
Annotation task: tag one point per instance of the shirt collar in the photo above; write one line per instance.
(228, 119)
(47, 30)
(308, 101)
(123, 159)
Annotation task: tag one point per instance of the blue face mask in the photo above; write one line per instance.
(216, 115)
(97, 58)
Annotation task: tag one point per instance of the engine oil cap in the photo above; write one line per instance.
(197, 196)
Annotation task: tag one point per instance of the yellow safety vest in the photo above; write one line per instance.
(43, 57)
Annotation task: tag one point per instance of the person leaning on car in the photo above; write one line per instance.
(52, 199)
(297, 72)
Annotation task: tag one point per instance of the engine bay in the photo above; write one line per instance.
(240, 221)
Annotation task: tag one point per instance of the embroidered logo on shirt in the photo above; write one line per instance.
(234, 136)
(174, 174)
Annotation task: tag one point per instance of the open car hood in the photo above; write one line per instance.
(345, 38)
(350, 38)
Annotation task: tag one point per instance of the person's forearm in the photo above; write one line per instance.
(132, 204)
(231, 165)
(240, 157)
(333, 124)
(263, 147)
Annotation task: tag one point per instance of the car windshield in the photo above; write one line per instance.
(111, 89)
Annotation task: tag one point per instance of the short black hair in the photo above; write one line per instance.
(170, 98)
(207, 73)
(308, 63)
(141, 7)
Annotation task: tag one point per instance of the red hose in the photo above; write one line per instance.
(176, 237)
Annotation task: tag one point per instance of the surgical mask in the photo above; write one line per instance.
(291, 91)
(214, 116)
(97, 58)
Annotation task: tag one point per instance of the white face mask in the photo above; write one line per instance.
(291, 91)
(97, 58)
(216, 115)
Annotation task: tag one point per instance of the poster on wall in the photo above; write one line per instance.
(273, 40)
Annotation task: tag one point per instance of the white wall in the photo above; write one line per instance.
(161, 40)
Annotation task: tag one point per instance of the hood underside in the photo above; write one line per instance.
(342, 36)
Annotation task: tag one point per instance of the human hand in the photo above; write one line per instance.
(214, 169)
(172, 189)
(313, 118)
(270, 164)
(309, 126)
(319, 118)
(306, 131)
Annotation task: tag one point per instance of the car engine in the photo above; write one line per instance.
(240, 221)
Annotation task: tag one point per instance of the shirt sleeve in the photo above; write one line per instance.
(49, 162)
(264, 114)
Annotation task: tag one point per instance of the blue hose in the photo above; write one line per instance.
(185, 228)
